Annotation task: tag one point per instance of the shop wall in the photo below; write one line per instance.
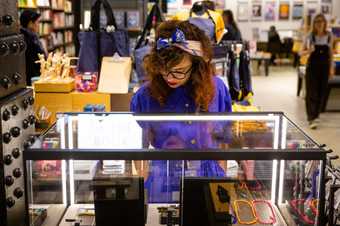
(285, 27)
(336, 8)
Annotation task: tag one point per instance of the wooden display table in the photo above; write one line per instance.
(262, 57)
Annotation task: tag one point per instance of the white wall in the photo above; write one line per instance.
(336, 8)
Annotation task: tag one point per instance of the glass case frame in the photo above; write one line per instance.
(279, 154)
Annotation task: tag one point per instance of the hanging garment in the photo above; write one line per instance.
(234, 76)
(317, 74)
(245, 75)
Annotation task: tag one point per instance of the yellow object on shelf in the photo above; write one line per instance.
(54, 74)
(79, 100)
(297, 46)
(241, 108)
(336, 57)
(70, 102)
(63, 86)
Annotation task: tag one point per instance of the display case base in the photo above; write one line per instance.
(153, 216)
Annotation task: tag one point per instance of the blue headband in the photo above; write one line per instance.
(178, 40)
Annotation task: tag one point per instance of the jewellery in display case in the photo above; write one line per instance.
(256, 188)
(272, 217)
(236, 208)
(314, 206)
(242, 190)
(304, 217)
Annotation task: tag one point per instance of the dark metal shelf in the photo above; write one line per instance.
(62, 28)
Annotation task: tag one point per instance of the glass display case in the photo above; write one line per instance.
(168, 169)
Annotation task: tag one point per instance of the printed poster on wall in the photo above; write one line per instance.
(242, 11)
(312, 9)
(187, 2)
(284, 11)
(297, 11)
(172, 4)
(326, 9)
(220, 4)
(270, 11)
(256, 11)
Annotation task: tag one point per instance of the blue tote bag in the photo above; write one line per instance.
(97, 43)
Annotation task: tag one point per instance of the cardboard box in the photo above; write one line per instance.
(121, 102)
(79, 100)
(54, 102)
(54, 87)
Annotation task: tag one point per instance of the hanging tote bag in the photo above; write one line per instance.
(97, 43)
(144, 46)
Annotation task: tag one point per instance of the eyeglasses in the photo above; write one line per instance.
(178, 74)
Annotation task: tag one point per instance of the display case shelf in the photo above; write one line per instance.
(55, 213)
(72, 213)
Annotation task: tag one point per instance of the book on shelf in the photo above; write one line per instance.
(43, 3)
(133, 20)
(27, 3)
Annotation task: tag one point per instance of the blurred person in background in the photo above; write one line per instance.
(318, 48)
(274, 43)
(233, 33)
(29, 21)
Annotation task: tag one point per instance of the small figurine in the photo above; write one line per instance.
(56, 68)
(42, 62)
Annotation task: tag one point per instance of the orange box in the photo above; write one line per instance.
(54, 102)
(79, 100)
(54, 87)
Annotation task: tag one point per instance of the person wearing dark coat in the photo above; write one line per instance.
(29, 21)
(274, 43)
(233, 33)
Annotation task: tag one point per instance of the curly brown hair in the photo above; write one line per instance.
(200, 81)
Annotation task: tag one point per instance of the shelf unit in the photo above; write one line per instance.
(57, 28)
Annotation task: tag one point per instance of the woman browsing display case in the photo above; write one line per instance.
(181, 80)
(181, 75)
(318, 46)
